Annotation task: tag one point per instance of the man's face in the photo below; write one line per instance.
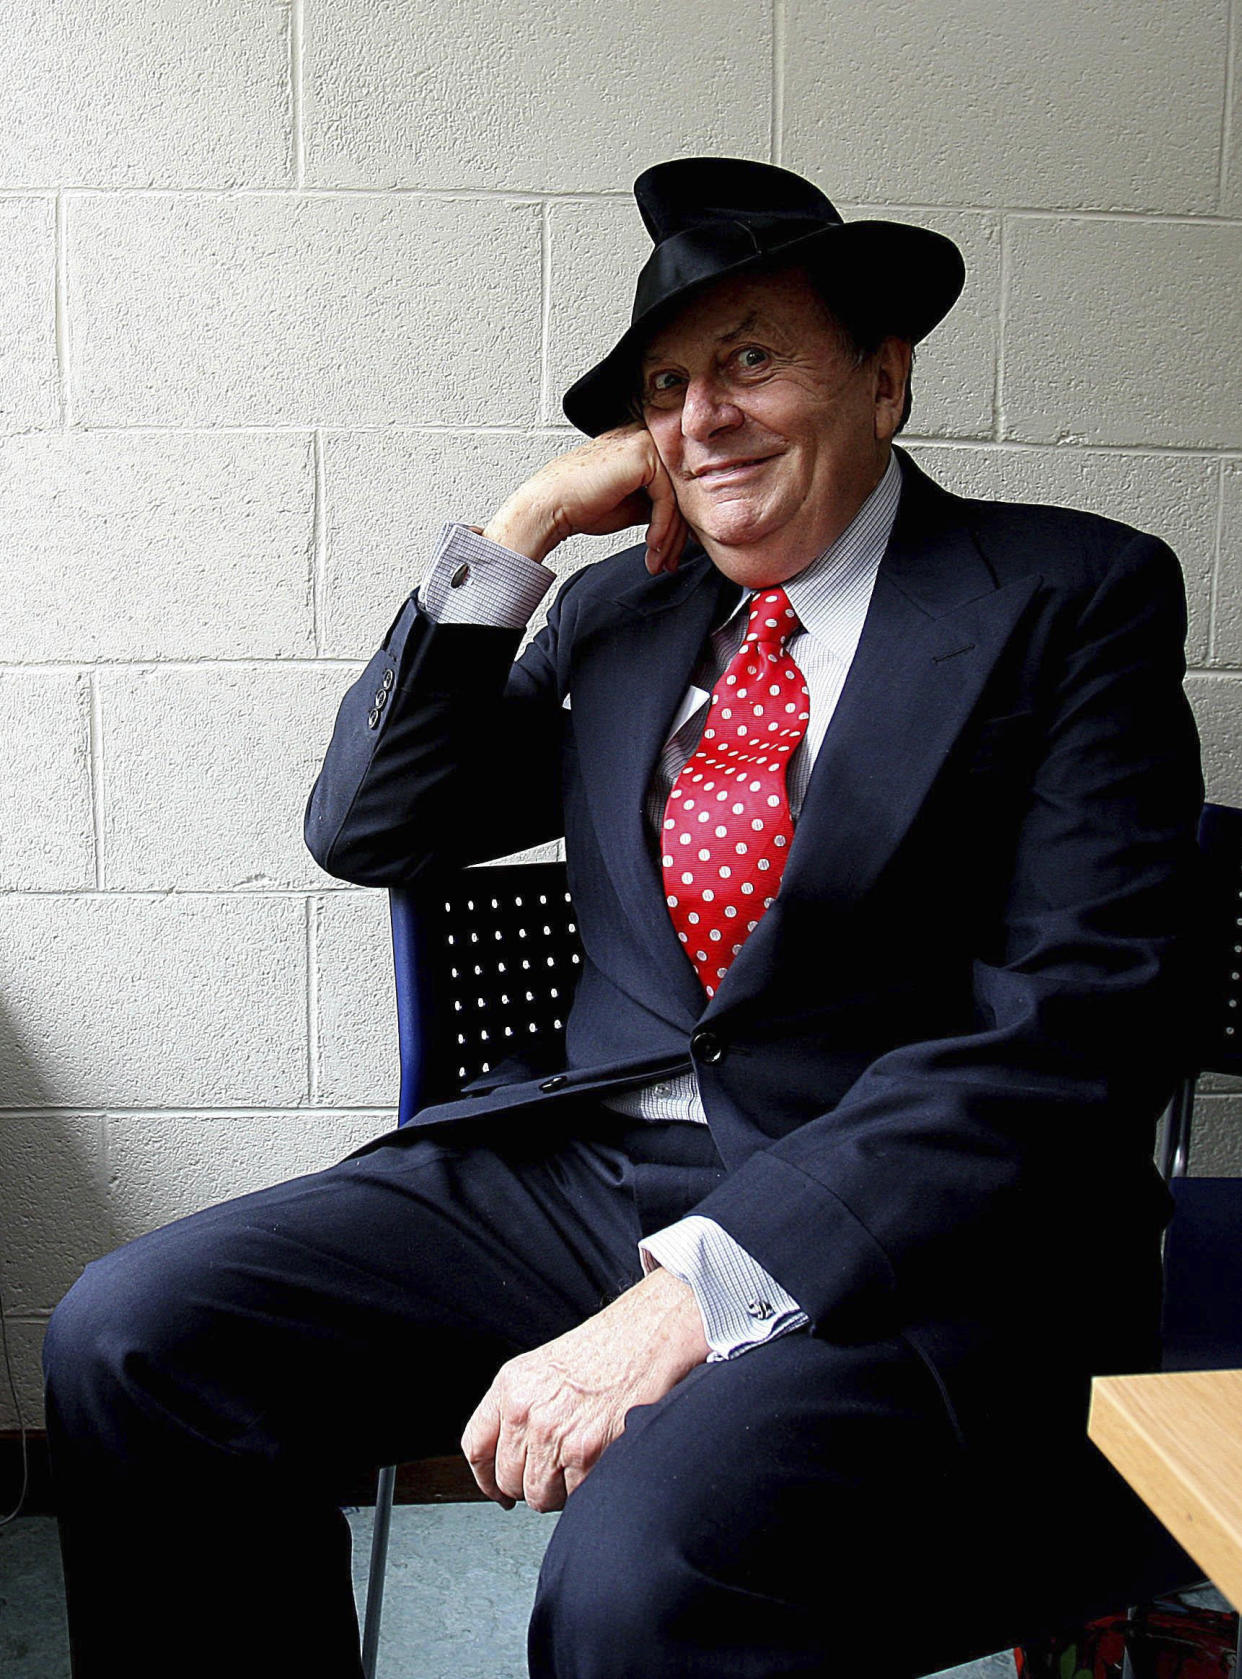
(772, 433)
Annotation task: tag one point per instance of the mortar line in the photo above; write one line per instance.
(296, 132)
(1217, 561)
(312, 1000)
(1226, 121)
(776, 134)
(584, 195)
(95, 755)
(318, 543)
(61, 314)
(545, 306)
(1002, 329)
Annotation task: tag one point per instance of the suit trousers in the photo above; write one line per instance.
(215, 1387)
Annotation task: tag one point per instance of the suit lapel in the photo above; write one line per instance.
(935, 628)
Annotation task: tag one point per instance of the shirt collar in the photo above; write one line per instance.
(831, 595)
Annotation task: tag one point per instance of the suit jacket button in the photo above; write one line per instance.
(373, 719)
(707, 1046)
(554, 1084)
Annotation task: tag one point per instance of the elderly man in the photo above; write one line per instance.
(879, 809)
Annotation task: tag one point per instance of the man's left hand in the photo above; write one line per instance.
(542, 1425)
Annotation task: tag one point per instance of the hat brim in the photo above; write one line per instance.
(883, 277)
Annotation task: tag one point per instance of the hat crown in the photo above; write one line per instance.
(693, 192)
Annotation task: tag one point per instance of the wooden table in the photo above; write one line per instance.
(1177, 1439)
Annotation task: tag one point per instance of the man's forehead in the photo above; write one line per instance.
(750, 322)
(777, 302)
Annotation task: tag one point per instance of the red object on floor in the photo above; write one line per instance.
(1164, 1641)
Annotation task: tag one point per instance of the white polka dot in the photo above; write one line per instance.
(693, 918)
(704, 855)
(714, 934)
(755, 786)
(736, 948)
(767, 903)
(671, 902)
(774, 798)
(775, 688)
(704, 816)
(711, 989)
(724, 871)
(708, 895)
(721, 796)
(741, 848)
(741, 728)
(684, 937)
(764, 864)
(731, 679)
(721, 972)
(772, 624)
(687, 879)
(730, 910)
(757, 711)
(683, 839)
(737, 809)
(710, 734)
(667, 861)
(689, 804)
(751, 925)
(747, 888)
(781, 839)
(668, 821)
(721, 832)
(700, 956)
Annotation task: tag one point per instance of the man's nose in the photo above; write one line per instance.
(706, 408)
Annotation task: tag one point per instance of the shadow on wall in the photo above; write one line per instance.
(54, 1215)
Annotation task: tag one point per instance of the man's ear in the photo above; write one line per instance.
(892, 371)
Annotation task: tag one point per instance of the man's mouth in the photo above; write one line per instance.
(717, 471)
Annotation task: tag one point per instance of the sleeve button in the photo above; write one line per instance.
(373, 719)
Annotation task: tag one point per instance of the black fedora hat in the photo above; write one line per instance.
(715, 217)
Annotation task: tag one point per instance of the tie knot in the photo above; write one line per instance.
(772, 619)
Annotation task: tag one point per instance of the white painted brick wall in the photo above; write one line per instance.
(288, 282)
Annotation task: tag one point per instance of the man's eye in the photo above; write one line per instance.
(666, 381)
(752, 356)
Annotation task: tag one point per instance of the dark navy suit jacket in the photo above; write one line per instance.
(935, 1068)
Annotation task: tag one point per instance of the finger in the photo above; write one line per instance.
(675, 547)
(510, 1461)
(665, 514)
(543, 1483)
(478, 1443)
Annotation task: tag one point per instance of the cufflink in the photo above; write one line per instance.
(459, 576)
(760, 1309)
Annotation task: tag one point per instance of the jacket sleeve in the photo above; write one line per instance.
(444, 751)
(934, 1171)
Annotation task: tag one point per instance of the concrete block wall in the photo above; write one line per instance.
(287, 282)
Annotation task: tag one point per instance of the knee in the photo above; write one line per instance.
(614, 1591)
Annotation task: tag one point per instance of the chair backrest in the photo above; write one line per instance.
(485, 960)
(1217, 1014)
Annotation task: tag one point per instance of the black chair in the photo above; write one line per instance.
(487, 959)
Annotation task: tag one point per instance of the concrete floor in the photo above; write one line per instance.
(460, 1582)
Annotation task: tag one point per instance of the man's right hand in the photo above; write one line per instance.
(609, 483)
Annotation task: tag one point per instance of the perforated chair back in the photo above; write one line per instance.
(485, 962)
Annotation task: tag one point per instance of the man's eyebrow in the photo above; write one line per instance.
(737, 331)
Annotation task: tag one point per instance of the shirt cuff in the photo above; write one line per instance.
(474, 580)
(740, 1304)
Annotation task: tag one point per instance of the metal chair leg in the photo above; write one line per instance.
(386, 1486)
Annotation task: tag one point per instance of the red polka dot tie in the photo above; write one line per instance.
(727, 824)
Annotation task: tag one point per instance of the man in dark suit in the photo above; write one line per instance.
(879, 810)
